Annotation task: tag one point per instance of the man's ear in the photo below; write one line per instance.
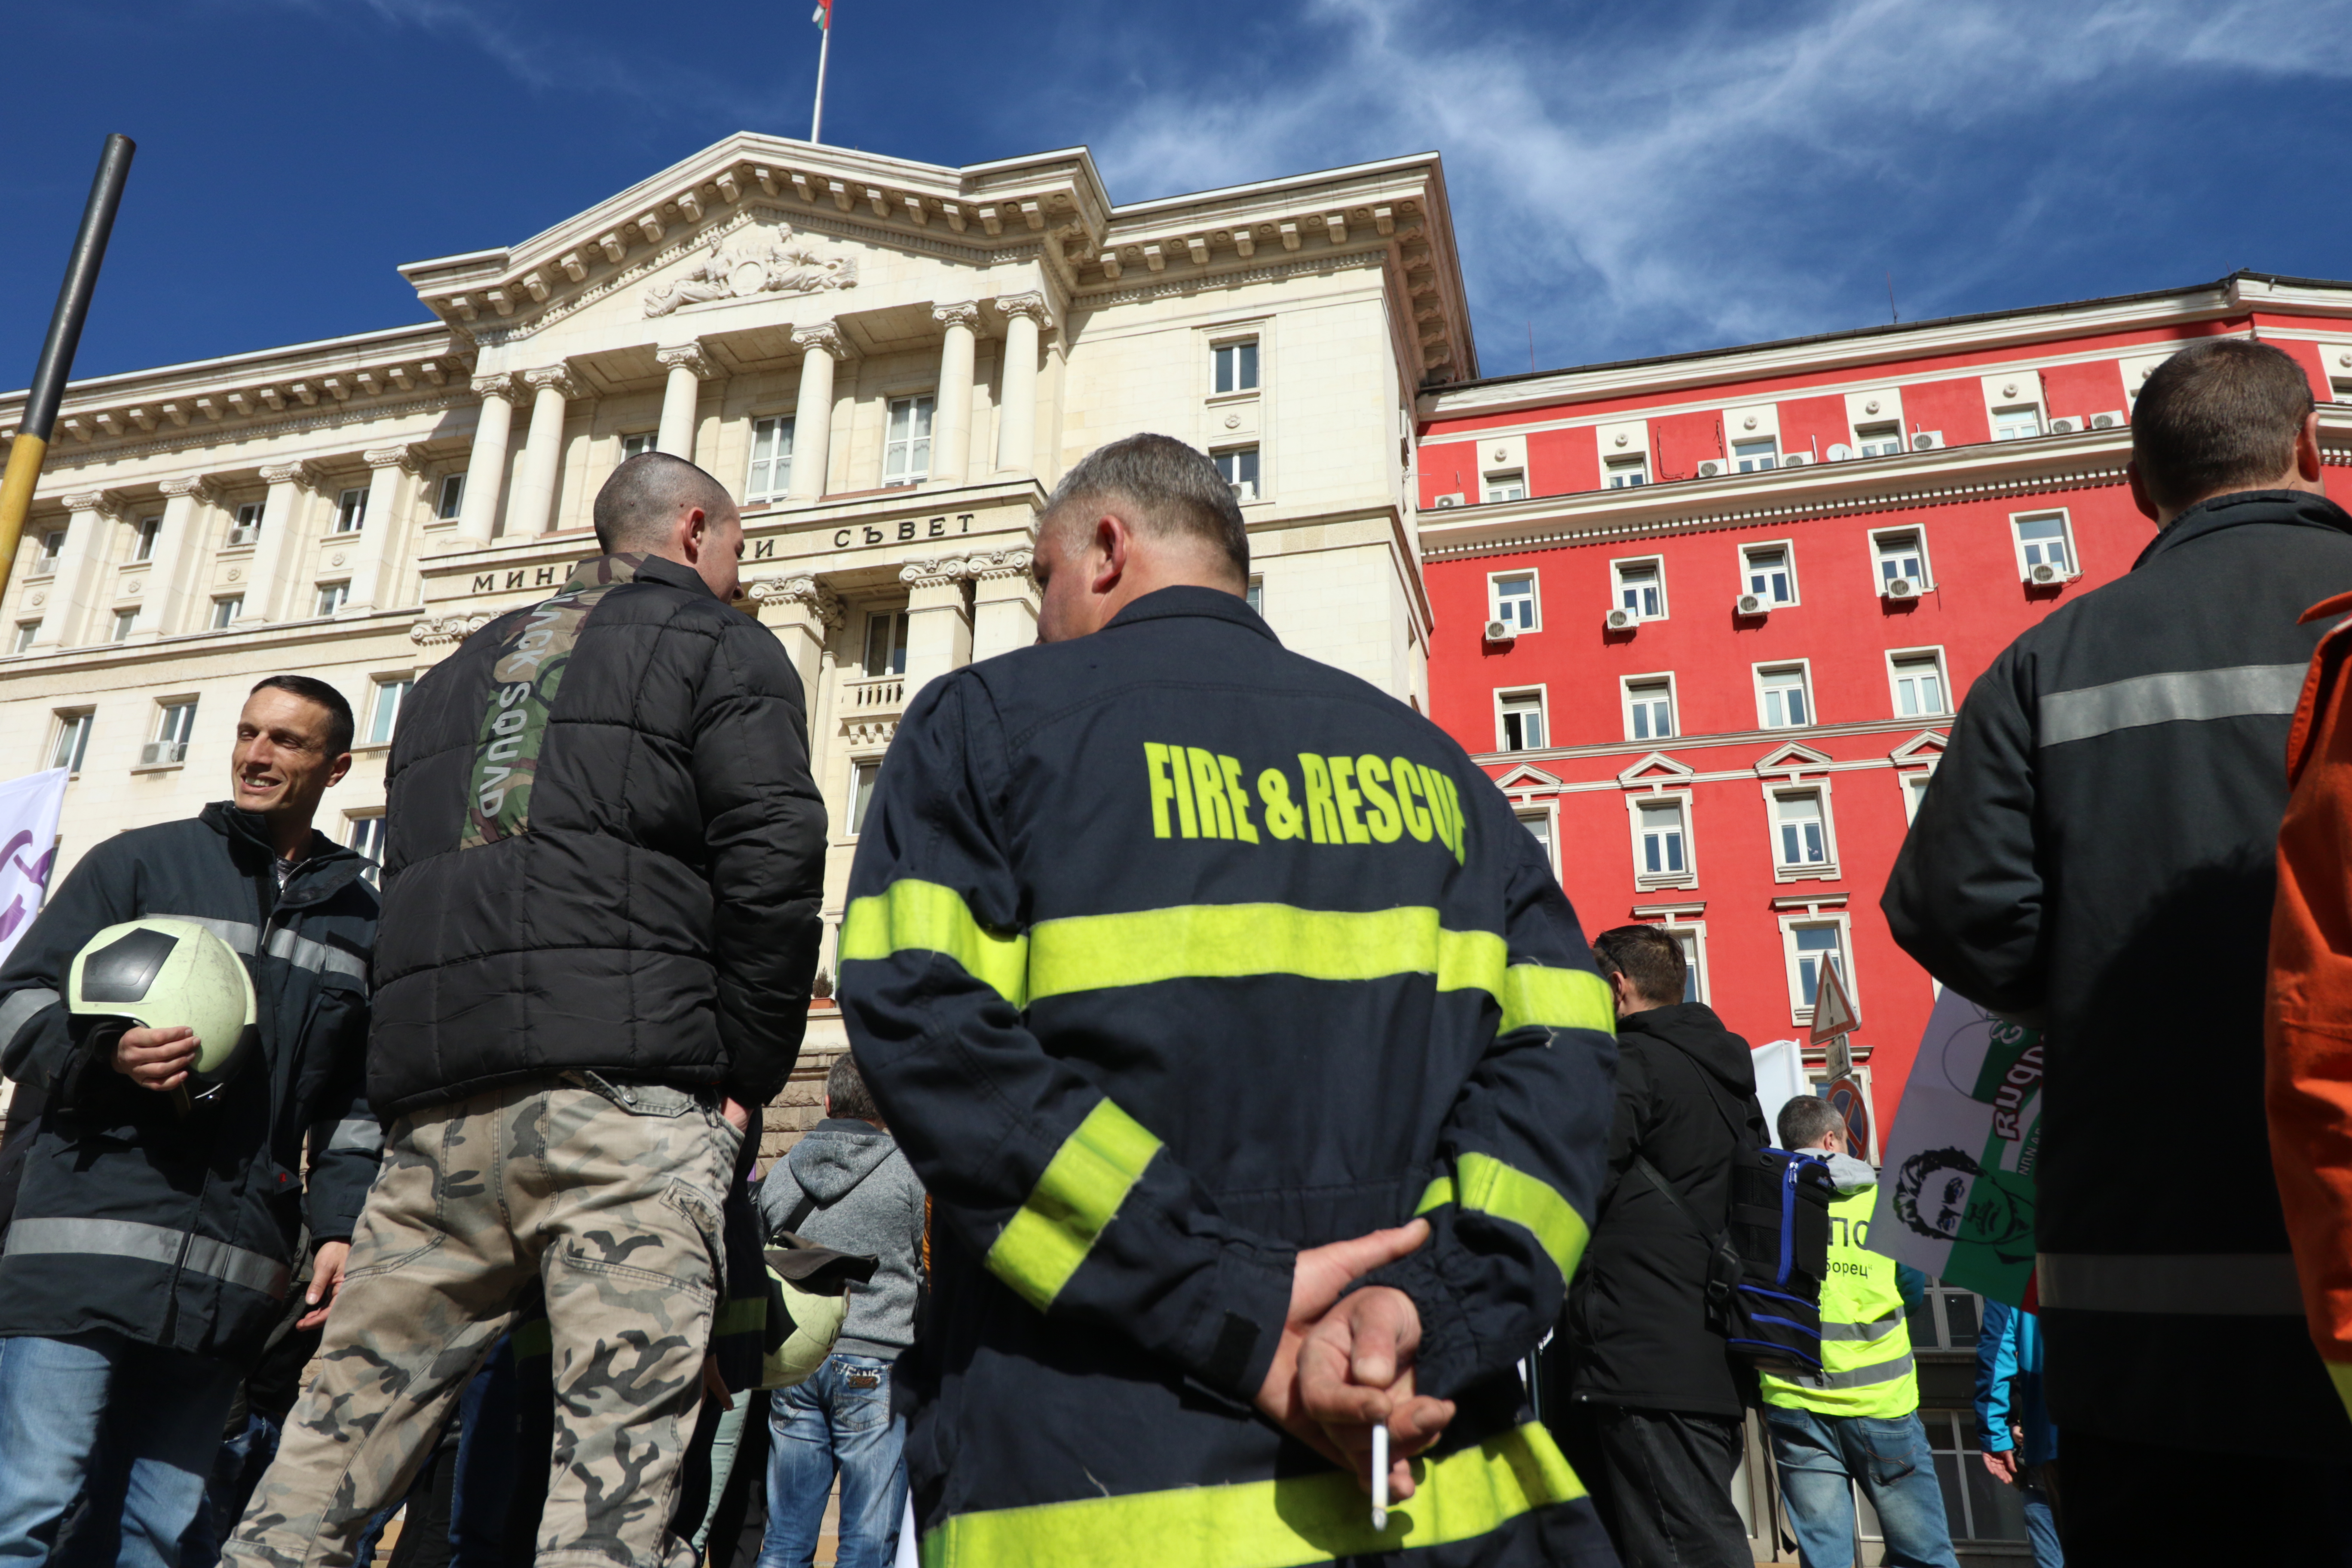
(2307, 461)
(335, 775)
(1115, 541)
(2139, 491)
(693, 530)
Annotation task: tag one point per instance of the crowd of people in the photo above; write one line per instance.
(1234, 1103)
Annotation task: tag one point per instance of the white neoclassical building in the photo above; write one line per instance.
(889, 362)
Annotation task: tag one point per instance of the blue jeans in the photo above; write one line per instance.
(1822, 1459)
(839, 1418)
(2041, 1523)
(54, 1395)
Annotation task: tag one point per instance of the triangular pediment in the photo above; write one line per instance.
(1527, 780)
(1792, 758)
(1657, 768)
(1927, 746)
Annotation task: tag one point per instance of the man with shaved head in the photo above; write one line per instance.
(603, 859)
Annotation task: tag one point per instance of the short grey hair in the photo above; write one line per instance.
(645, 495)
(1806, 1119)
(846, 1094)
(1166, 489)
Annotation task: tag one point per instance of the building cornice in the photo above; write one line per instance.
(1779, 740)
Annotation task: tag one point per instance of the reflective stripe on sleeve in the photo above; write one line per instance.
(1866, 1333)
(1556, 998)
(353, 1134)
(304, 953)
(1083, 1187)
(151, 1244)
(1268, 1524)
(2236, 692)
(1488, 1187)
(20, 1007)
(2226, 1284)
(912, 916)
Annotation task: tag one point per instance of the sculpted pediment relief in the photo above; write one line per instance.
(757, 259)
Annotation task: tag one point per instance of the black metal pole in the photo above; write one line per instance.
(40, 416)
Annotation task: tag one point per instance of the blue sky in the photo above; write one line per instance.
(1627, 180)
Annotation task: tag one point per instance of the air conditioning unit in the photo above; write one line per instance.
(2110, 419)
(1621, 621)
(1901, 588)
(1926, 440)
(2042, 572)
(2068, 426)
(1454, 500)
(1839, 452)
(1708, 469)
(1501, 631)
(159, 753)
(1750, 604)
(1795, 459)
(246, 535)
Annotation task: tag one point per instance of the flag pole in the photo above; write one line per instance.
(823, 49)
(56, 363)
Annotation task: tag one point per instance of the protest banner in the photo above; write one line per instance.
(29, 836)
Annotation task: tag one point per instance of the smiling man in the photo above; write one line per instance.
(156, 1229)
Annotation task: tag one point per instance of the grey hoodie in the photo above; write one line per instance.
(1848, 1175)
(867, 1201)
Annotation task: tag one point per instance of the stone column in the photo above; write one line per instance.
(952, 405)
(805, 614)
(73, 588)
(812, 414)
(688, 368)
(939, 628)
(284, 542)
(1003, 601)
(375, 575)
(1017, 414)
(532, 509)
(177, 569)
(486, 467)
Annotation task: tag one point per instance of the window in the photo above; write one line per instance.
(1641, 589)
(226, 610)
(1650, 709)
(73, 740)
(331, 597)
(367, 838)
(1511, 599)
(350, 510)
(636, 445)
(1239, 467)
(1522, 719)
(862, 777)
(1236, 365)
(1538, 827)
(1782, 699)
(1766, 568)
(1918, 684)
(174, 722)
(771, 460)
(125, 623)
(2042, 541)
(53, 544)
(25, 632)
(1692, 941)
(1901, 559)
(1753, 456)
(907, 444)
(1811, 946)
(1915, 790)
(1256, 596)
(1881, 440)
(249, 524)
(1803, 837)
(389, 695)
(886, 644)
(1976, 1506)
(1626, 472)
(142, 547)
(1662, 829)
(448, 504)
(2020, 423)
(1509, 485)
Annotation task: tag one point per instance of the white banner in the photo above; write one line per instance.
(1779, 1079)
(29, 839)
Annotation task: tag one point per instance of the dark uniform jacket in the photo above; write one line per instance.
(181, 1232)
(1637, 1332)
(1169, 953)
(604, 850)
(2097, 854)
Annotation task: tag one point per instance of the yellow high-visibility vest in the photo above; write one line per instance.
(1866, 1366)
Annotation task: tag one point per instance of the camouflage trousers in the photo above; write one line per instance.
(609, 1196)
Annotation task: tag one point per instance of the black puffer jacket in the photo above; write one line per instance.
(1636, 1325)
(180, 1231)
(648, 908)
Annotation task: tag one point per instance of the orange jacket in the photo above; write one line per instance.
(2308, 1032)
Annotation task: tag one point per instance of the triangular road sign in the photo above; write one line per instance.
(1834, 1014)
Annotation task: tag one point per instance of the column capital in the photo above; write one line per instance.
(690, 356)
(803, 589)
(991, 564)
(106, 503)
(823, 338)
(500, 385)
(554, 377)
(1031, 305)
(296, 473)
(200, 486)
(965, 315)
(938, 574)
(437, 631)
(407, 458)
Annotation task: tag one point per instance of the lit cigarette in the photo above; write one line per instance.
(1381, 1477)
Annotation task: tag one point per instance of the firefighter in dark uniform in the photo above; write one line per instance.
(1186, 970)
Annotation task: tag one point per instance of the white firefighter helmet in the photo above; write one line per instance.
(161, 973)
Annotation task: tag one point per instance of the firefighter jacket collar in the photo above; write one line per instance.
(323, 871)
(1215, 604)
(2244, 507)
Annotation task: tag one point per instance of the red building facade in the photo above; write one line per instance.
(1704, 618)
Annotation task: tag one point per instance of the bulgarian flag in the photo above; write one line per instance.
(824, 15)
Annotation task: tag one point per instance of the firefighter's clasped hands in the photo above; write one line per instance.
(1344, 1362)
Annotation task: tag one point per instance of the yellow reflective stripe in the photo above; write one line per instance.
(926, 917)
(1088, 1177)
(743, 1315)
(1556, 998)
(1268, 1524)
(2343, 1377)
(1489, 1186)
(1436, 1195)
